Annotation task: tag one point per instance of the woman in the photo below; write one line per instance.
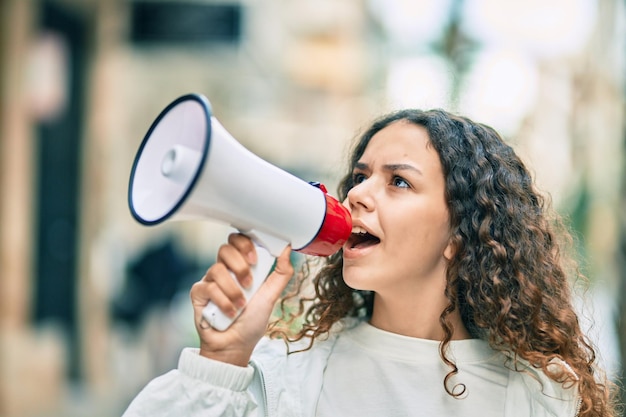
(450, 298)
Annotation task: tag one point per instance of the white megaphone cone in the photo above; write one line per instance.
(189, 167)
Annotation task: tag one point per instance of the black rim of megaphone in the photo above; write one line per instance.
(206, 106)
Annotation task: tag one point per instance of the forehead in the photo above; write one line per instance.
(403, 141)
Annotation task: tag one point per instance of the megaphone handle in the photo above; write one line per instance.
(265, 261)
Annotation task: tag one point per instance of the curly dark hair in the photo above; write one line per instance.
(509, 277)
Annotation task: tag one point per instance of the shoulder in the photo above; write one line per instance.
(278, 349)
(542, 395)
(291, 381)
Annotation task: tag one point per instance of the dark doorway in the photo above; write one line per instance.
(58, 151)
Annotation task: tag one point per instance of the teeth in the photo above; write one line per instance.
(358, 230)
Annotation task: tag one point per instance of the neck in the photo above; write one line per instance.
(416, 317)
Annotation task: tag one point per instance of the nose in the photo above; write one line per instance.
(360, 197)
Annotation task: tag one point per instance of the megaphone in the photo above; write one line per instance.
(188, 167)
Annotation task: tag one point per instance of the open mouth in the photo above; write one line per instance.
(362, 239)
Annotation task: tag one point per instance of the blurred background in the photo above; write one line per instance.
(93, 305)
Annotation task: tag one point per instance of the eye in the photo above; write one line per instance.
(358, 178)
(400, 182)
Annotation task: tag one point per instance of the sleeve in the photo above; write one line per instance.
(199, 387)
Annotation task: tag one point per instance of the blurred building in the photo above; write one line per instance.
(293, 80)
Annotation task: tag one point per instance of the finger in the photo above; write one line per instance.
(204, 291)
(226, 284)
(199, 299)
(245, 245)
(234, 261)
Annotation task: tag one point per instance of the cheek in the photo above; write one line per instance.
(428, 232)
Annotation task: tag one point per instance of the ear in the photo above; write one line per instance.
(450, 250)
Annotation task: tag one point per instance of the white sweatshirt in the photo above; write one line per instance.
(362, 371)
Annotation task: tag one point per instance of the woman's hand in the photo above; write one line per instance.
(235, 344)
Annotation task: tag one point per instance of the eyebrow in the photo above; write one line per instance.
(390, 167)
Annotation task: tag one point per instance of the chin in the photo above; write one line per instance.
(356, 280)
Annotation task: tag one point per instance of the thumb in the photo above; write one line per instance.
(280, 276)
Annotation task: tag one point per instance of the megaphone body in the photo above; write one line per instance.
(189, 167)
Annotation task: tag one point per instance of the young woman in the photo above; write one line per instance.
(451, 297)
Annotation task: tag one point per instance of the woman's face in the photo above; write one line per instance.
(401, 223)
